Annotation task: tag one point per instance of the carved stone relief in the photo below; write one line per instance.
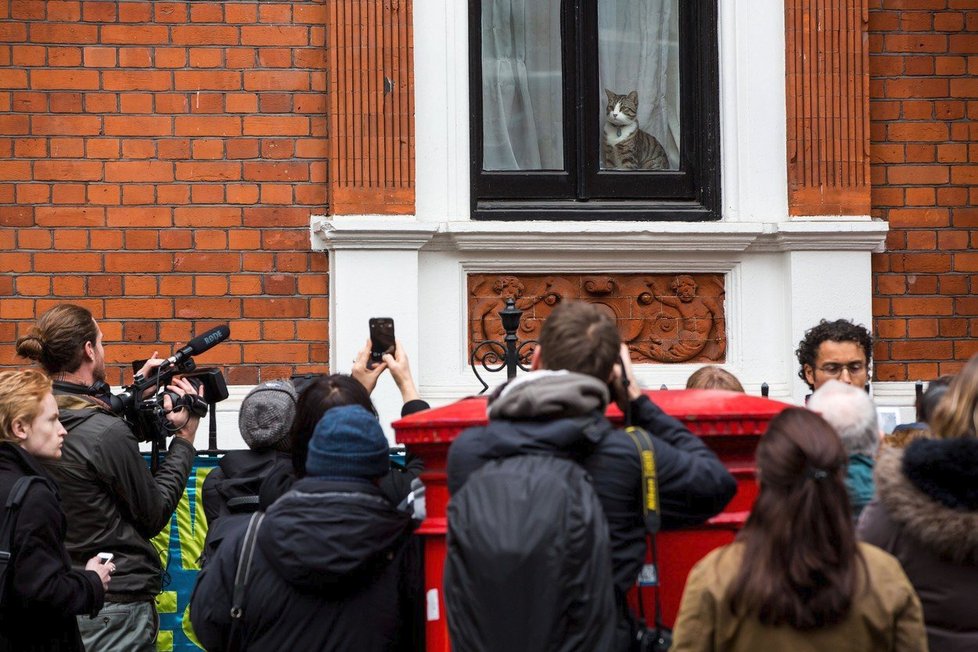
(664, 318)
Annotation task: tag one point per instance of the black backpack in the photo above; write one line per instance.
(529, 563)
(7, 527)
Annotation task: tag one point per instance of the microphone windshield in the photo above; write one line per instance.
(206, 340)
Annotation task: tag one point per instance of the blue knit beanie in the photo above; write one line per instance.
(348, 442)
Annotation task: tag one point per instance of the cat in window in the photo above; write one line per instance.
(625, 146)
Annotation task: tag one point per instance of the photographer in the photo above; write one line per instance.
(112, 501)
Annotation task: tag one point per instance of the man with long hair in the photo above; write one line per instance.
(112, 501)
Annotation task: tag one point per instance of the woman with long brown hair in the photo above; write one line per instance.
(796, 578)
(926, 514)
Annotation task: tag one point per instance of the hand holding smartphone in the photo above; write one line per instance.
(381, 340)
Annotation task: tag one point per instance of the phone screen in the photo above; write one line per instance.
(381, 337)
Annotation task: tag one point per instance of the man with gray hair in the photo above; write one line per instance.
(853, 415)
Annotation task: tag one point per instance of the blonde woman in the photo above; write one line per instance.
(926, 514)
(43, 594)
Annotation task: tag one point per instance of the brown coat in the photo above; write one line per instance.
(886, 616)
(937, 544)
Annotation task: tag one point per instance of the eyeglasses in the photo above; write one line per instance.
(835, 370)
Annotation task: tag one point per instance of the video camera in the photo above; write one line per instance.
(146, 412)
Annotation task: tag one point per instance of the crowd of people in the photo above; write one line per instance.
(856, 540)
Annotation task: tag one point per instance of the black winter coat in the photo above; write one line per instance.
(543, 416)
(237, 478)
(113, 502)
(328, 573)
(45, 594)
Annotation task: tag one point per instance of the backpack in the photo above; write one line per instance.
(7, 527)
(528, 565)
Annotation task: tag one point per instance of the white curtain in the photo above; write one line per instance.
(521, 85)
(522, 81)
(638, 49)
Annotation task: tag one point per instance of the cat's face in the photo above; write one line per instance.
(621, 109)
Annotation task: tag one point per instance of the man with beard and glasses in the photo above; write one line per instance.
(112, 501)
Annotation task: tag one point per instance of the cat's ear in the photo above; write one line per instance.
(633, 96)
(611, 96)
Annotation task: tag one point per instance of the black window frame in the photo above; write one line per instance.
(582, 191)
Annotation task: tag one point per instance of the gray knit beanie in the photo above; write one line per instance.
(267, 413)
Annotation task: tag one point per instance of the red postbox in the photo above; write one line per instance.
(729, 423)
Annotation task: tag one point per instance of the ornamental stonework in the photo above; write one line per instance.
(664, 318)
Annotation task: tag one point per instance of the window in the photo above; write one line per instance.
(594, 109)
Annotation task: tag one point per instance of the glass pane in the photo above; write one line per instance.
(522, 119)
(638, 69)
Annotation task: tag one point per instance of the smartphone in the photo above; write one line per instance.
(381, 338)
(105, 557)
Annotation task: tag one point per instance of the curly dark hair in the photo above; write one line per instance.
(840, 330)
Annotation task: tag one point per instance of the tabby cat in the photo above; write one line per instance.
(626, 146)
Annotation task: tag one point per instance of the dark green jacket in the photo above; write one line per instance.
(112, 501)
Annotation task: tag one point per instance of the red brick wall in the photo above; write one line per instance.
(159, 162)
(924, 90)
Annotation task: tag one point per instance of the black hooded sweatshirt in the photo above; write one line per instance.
(328, 573)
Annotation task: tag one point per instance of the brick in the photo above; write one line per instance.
(918, 240)
(206, 57)
(277, 193)
(104, 194)
(102, 148)
(67, 148)
(67, 262)
(276, 126)
(278, 352)
(225, 308)
(141, 239)
(210, 239)
(195, 80)
(240, 12)
(137, 80)
(130, 34)
(931, 217)
(891, 328)
(135, 103)
(132, 216)
(242, 148)
(241, 103)
(179, 285)
(207, 12)
(67, 170)
(65, 102)
(952, 327)
(71, 239)
(138, 148)
(276, 171)
(208, 171)
(917, 131)
(64, 79)
(138, 125)
(33, 285)
(214, 286)
(143, 261)
(275, 58)
(99, 12)
(918, 174)
(176, 239)
(920, 263)
(209, 35)
(209, 262)
(965, 43)
(917, 43)
(278, 36)
(207, 126)
(176, 193)
(59, 33)
(155, 308)
(35, 239)
(56, 216)
(101, 102)
(170, 12)
(241, 193)
(64, 56)
(278, 80)
(139, 285)
(135, 57)
(174, 148)
(207, 103)
(207, 193)
(68, 193)
(921, 196)
(125, 171)
(170, 57)
(33, 193)
(241, 284)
